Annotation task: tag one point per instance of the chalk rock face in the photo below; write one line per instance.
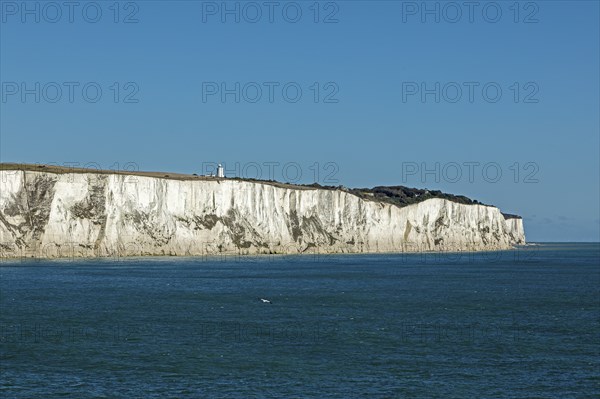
(47, 214)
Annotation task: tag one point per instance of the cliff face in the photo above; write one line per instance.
(87, 214)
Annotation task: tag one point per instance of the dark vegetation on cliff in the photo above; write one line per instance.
(400, 195)
(403, 196)
(395, 195)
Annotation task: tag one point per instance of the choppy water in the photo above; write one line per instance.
(511, 324)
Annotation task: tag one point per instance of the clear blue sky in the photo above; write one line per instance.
(370, 62)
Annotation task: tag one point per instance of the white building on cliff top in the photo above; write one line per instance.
(220, 171)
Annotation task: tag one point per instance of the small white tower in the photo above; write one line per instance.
(220, 171)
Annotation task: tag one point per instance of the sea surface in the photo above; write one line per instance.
(513, 324)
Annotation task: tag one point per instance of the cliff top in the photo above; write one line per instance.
(395, 195)
(161, 175)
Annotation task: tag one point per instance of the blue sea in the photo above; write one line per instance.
(512, 324)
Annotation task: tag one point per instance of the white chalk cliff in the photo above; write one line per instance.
(48, 214)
